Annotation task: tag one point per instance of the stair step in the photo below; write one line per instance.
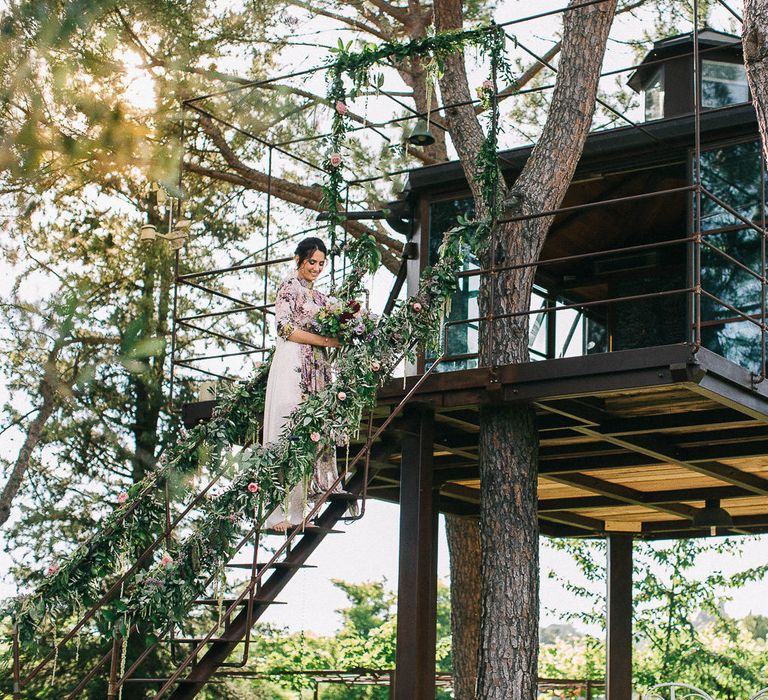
(227, 602)
(158, 680)
(212, 640)
(338, 497)
(306, 530)
(282, 565)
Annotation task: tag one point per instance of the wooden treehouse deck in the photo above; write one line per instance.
(631, 441)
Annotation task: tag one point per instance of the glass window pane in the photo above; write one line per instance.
(462, 338)
(732, 174)
(727, 280)
(739, 342)
(537, 327)
(654, 96)
(723, 84)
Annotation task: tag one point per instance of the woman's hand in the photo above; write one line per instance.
(307, 338)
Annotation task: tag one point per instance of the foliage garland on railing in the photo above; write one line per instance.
(160, 594)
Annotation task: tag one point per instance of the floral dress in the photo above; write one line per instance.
(297, 370)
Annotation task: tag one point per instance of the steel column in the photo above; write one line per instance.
(618, 672)
(417, 584)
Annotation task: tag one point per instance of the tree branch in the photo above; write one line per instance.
(291, 192)
(349, 21)
(466, 132)
(48, 389)
(398, 13)
(529, 74)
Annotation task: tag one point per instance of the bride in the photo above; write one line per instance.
(299, 367)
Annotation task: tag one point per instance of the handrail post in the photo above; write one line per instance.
(114, 666)
(16, 663)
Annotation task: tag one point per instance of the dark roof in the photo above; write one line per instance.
(678, 45)
(656, 142)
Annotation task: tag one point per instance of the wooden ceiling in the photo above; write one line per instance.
(633, 441)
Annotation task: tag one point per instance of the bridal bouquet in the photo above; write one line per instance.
(345, 320)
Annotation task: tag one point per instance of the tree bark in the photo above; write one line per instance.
(508, 437)
(47, 389)
(755, 42)
(464, 551)
(20, 466)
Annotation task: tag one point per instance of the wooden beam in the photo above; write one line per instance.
(618, 672)
(664, 451)
(551, 464)
(649, 498)
(743, 523)
(417, 578)
(462, 493)
(574, 519)
(676, 421)
(622, 494)
(697, 459)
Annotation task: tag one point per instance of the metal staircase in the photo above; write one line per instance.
(204, 656)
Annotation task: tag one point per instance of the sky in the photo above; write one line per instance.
(312, 599)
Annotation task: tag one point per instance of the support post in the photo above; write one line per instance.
(618, 672)
(114, 666)
(16, 663)
(417, 579)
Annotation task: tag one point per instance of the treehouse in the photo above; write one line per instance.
(647, 346)
(647, 372)
(647, 333)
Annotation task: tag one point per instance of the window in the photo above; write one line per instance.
(731, 258)
(654, 96)
(566, 333)
(462, 338)
(723, 84)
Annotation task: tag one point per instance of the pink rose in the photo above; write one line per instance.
(487, 85)
(52, 568)
(253, 487)
(167, 560)
(416, 306)
(375, 366)
(315, 436)
(341, 108)
(335, 160)
(258, 365)
(122, 498)
(342, 396)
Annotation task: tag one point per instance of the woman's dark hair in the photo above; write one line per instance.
(308, 246)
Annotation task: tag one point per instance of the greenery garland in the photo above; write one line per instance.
(161, 594)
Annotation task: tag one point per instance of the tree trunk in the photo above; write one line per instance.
(48, 388)
(464, 551)
(509, 637)
(20, 466)
(147, 384)
(755, 41)
(508, 437)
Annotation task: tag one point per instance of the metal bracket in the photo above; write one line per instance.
(679, 371)
(494, 388)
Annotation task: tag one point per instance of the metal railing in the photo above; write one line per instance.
(694, 289)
